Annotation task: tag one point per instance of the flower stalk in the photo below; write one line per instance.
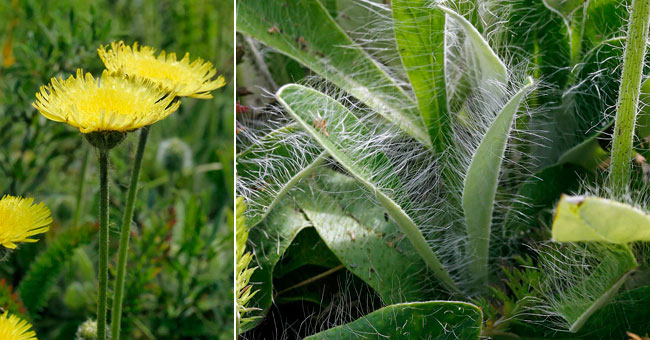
(125, 235)
(103, 243)
(628, 99)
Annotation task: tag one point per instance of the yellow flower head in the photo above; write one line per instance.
(185, 78)
(14, 328)
(113, 102)
(20, 219)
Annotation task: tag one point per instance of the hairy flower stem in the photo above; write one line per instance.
(125, 234)
(628, 95)
(81, 189)
(103, 243)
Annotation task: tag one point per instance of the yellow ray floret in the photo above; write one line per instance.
(185, 78)
(14, 328)
(20, 219)
(112, 103)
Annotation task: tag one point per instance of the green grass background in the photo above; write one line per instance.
(179, 281)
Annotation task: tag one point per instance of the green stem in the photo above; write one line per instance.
(628, 95)
(103, 244)
(125, 234)
(81, 189)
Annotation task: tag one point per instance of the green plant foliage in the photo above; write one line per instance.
(481, 184)
(476, 194)
(421, 320)
(580, 219)
(295, 29)
(36, 286)
(179, 276)
(419, 33)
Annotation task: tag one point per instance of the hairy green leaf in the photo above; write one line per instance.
(563, 7)
(415, 320)
(481, 184)
(305, 105)
(270, 239)
(489, 66)
(368, 245)
(304, 30)
(271, 167)
(420, 37)
(589, 218)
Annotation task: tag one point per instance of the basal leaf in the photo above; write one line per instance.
(589, 286)
(307, 106)
(489, 67)
(564, 7)
(269, 169)
(481, 184)
(416, 320)
(270, 240)
(304, 30)
(589, 218)
(355, 230)
(420, 37)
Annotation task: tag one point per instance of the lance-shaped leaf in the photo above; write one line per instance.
(270, 168)
(489, 67)
(270, 240)
(481, 184)
(416, 320)
(589, 218)
(304, 30)
(308, 106)
(354, 228)
(564, 8)
(420, 37)
(584, 278)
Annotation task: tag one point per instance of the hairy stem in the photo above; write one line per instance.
(81, 189)
(125, 233)
(628, 95)
(103, 244)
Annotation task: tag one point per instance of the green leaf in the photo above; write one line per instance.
(591, 288)
(307, 248)
(489, 66)
(589, 154)
(270, 239)
(589, 218)
(565, 8)
(370, 246)
(270, 168)
(420, 37)
(481, 184)
(306, 105)
(537, 193)
(416, 320)
(304, 30)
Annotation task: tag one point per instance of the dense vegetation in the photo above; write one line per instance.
(179, 275)
(404, 163)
